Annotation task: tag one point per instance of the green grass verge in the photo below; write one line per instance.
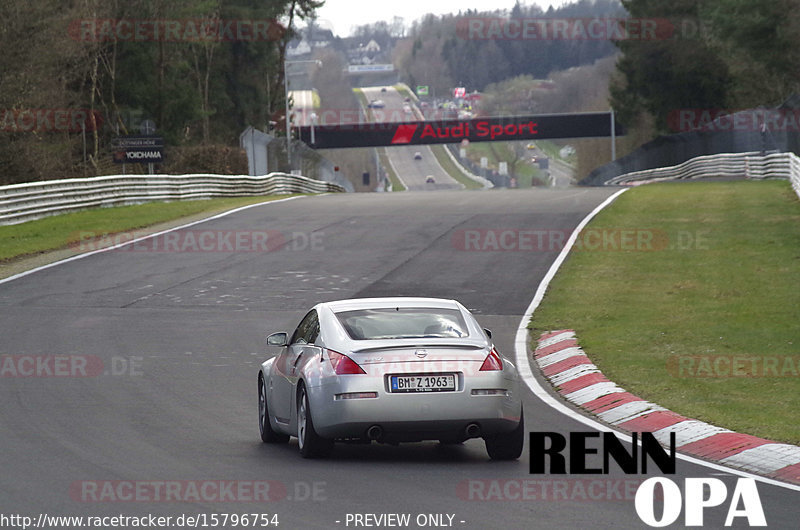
(59, 231)
(397, 185)
(447, 164)
(405, 91)
(477, 150)
(718, 274)
(527, 174)
(362, 98)
(550, 149)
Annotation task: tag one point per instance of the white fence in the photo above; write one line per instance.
(749, 165)
(32, 200)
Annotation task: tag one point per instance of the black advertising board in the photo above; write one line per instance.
(495, 129)
(138, 150)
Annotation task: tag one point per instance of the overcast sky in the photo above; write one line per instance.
(342, 16)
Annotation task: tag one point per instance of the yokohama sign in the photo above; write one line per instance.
(498, 129)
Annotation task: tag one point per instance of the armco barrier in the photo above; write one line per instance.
(752, 165)
(32, 200)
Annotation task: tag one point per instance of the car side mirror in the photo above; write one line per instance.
(488, 332)
(278, 339)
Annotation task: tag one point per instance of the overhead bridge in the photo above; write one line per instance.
(494, 129)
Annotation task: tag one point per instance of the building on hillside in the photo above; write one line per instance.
(309, 40)
(368, 53)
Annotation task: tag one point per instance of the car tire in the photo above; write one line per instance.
(507, 445)
(267, 434)
(311, 444)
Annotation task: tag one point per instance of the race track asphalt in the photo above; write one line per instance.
(176, 338)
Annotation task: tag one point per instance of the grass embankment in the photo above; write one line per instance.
(405, 91)
(362, 98)
(496, 152)
(553, 151)
(60, 231)
(397, 184)
(702, 317)
(447, 164)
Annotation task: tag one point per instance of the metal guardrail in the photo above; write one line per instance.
(32, 200)
(753, 165)
(450, 149)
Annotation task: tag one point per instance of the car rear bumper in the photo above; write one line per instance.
(415, 431)
(411, 417)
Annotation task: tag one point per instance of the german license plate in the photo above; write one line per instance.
(423, 383)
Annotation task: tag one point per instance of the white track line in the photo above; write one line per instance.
(524, 367)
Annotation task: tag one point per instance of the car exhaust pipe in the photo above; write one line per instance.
(473, 430)
(375, 432)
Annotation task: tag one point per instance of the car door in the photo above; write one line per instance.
(308, 353)
(284, 381)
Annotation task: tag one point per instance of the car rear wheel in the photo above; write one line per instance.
(506, 445)
(267, 434)
(311, 444)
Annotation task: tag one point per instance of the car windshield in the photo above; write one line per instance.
(403, 323)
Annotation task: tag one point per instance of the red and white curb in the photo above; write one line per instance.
(579, 381)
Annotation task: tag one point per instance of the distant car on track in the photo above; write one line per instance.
(376, 104)
(430, 180)
(391, 370)
(417, 155)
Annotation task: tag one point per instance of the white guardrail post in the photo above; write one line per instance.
(32, 200)
(753, 165)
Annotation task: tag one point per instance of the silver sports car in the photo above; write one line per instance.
(389, 370)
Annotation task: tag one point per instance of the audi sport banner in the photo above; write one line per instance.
(496, 129)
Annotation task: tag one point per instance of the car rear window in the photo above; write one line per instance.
(403, 323)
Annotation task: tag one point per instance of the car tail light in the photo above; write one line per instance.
(492, 362)
(342, 364)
